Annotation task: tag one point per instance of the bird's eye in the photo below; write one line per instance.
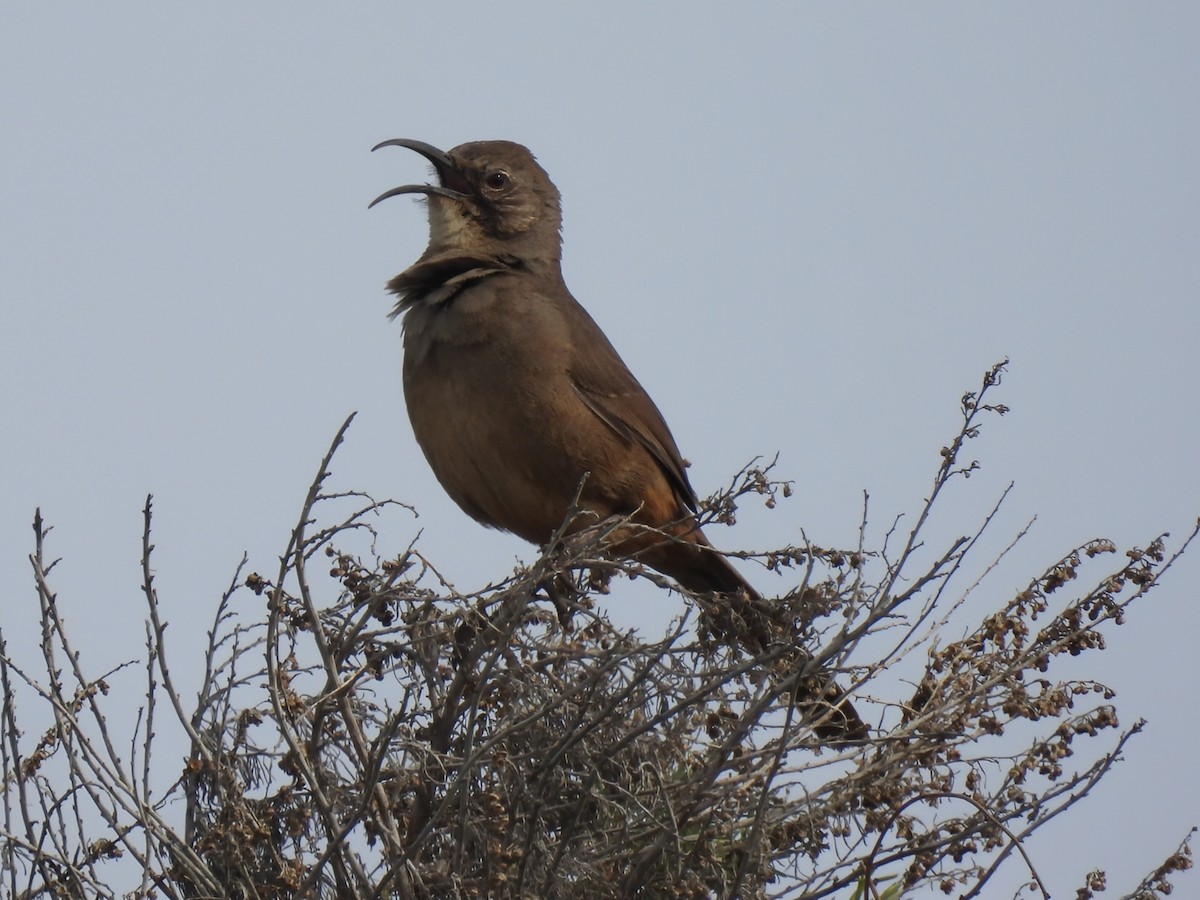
(496, 180)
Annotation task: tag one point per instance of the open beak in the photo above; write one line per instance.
(453, 185)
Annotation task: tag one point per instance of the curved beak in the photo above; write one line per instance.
(451, 180)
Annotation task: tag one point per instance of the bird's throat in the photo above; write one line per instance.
(451, 227)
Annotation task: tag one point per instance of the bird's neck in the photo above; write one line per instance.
(438, 276)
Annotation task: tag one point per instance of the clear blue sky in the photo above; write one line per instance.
(808, 228)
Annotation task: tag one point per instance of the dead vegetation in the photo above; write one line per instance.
(363, 731)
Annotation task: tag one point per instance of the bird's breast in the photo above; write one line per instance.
(485, 384)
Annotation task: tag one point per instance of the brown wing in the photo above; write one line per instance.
(605, 384)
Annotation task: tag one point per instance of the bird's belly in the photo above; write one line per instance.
(488, 428)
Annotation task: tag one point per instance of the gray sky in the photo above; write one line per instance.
(807, 228)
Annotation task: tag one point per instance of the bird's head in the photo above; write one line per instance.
(492, 199)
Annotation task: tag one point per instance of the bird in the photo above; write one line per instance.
(521, 405)
(515, 394)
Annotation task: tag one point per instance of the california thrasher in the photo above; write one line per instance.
(515, 395)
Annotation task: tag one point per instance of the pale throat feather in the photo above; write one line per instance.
(449, 224)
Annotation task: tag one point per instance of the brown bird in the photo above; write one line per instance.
(515, 394)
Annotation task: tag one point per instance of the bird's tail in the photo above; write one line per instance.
(697, 566)
(746, 618)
